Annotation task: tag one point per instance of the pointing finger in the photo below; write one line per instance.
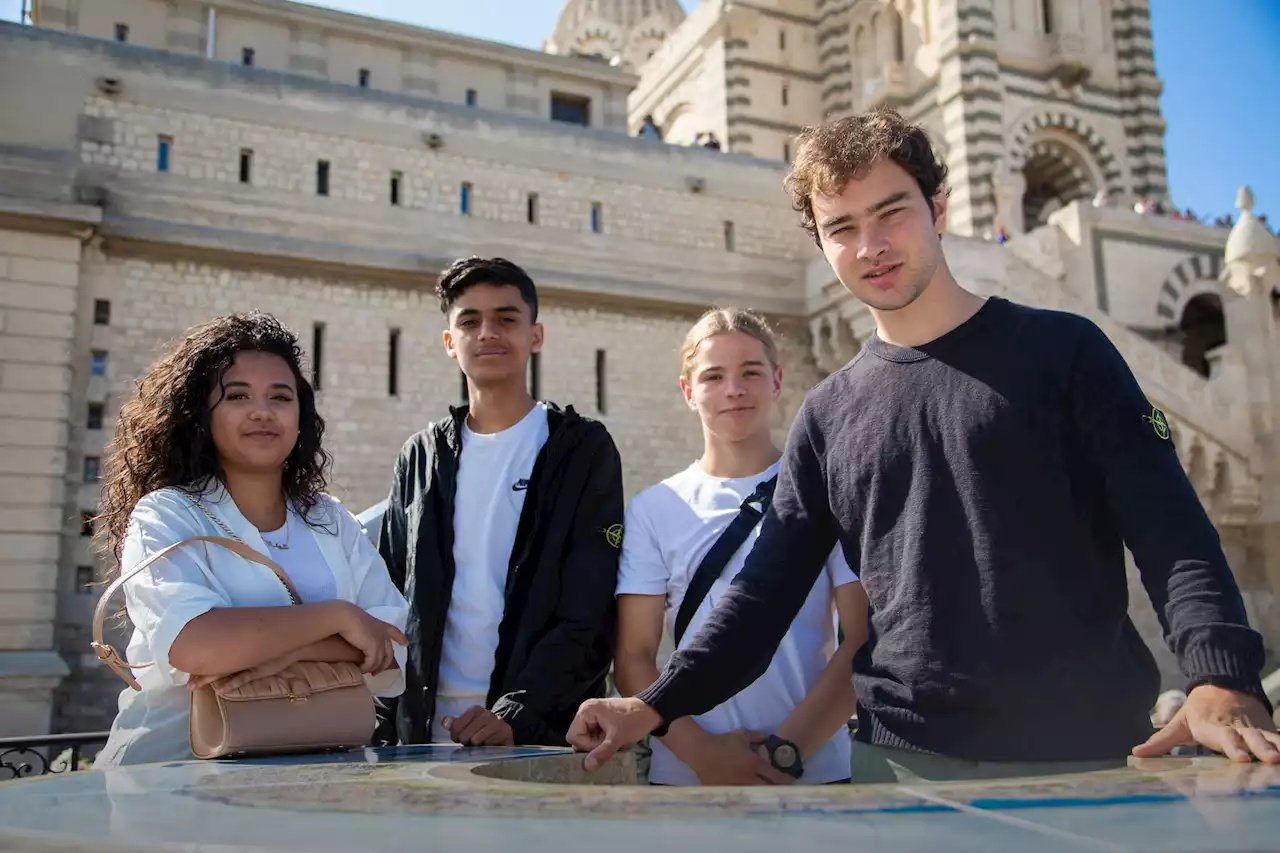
(1163, 741)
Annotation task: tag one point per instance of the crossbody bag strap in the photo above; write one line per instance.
(718, 556)
(109, 656)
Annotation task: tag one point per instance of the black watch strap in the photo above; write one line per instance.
(661, 730)
(784, 756)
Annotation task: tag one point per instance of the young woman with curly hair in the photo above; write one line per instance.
(222, 438)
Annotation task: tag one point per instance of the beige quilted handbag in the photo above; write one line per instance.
(306, 707)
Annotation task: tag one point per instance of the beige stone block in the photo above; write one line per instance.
(30, 576)
(43, 324)
(37, 297)
(34, 350)
(48, 246)
(24, 635)
(36, 271)
(24, 547)
(34, 405)
(27, 712)
(33, 460)
(28, 606)
(24, 433)
(35, 519)
(31, 490)
(34, 377)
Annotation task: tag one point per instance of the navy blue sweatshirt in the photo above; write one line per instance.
(983, 487)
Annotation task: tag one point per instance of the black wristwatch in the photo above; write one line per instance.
(784, 756)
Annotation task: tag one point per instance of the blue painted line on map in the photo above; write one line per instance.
(993, 804)
(1271, 792)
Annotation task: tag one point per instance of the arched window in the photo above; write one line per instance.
(877, 35)
(899, 37)
(862, 53)
(1202, 330)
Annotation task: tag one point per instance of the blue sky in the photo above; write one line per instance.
(1218, 60)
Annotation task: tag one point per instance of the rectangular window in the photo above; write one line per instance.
(364, 78)
(785, 94)
(471, 97)
(98, 362)
(464, 200)
(93, 418)
(728, 236)
(246, 166)
(532, 205)
(322, 177)
(597, 217)
(571, 109)
(786, 152)
(246, 57)
(86, 522)
(163, 149)
(122, 33)
(535, 375)
(396, 178)
(101, 312)
(1047, 10)
(84, 578)
(393, 363)
(782, 39)
(601, 373)
(317, 353)
(92, 465)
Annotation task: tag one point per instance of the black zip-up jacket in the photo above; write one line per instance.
(556, 638)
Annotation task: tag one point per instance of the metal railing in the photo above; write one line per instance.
(21, 757)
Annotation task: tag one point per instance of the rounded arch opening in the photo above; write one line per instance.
(1056, 173)
(1202, 329)
(680, 125)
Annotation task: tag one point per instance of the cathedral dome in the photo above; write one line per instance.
(620, 32)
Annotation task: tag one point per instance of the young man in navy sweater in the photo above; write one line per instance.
(983, 464)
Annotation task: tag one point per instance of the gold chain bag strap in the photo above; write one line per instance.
(308, 706)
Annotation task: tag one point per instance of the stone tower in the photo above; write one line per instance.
(1032, 103)
(620, 32)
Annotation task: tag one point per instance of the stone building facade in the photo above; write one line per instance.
(155, 179)
(1033, 102)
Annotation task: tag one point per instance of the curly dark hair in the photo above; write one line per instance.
(465, 273)
(828, 156)
(163, 437)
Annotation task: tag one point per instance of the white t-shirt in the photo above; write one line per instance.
(670, 527)
(302, 560)
(493, 479)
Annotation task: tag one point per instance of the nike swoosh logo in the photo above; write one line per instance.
(520, 485)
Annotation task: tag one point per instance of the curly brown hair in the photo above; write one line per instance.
(163, 437)
(829, 155)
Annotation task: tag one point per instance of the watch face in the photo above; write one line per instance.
(785, 755)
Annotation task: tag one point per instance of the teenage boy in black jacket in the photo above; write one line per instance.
(503, 530)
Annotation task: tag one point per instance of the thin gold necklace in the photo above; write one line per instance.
(288, 531)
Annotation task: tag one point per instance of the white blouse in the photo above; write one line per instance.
(151, 724)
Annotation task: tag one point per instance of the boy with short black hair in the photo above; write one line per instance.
(502, 529)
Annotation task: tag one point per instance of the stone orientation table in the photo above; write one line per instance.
(529, 800)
